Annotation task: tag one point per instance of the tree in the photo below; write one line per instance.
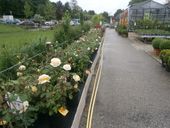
(0, 7)
(36, 3)
(40, 9)
(96, 19)
(27, 10)
(106, 17)
(67, 7)
(117, 14)
(38, 18)
(91, 12)
(81, 18)
(73, 4)
(59, 10)
(49, 11)
(136, 1)
(75, 9)
(66, 22)
(14, 7)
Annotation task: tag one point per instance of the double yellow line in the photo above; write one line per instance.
(94, 92)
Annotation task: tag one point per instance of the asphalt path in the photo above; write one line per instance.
(134, 90)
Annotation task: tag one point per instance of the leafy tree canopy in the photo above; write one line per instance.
(106, 17)
(117, 13)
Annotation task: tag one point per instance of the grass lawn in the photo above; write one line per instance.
(14, 37)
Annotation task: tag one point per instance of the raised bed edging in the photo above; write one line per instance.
(82, 102)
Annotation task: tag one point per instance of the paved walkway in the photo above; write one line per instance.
(134, 91)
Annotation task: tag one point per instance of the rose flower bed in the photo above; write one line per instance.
(47, 85)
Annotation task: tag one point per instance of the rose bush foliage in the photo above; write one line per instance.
(45, 85)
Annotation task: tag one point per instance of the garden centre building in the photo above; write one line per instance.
(148, 10)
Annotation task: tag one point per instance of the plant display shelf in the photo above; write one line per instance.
(154, 36)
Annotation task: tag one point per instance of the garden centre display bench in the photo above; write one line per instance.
(154, 36)
(147, 38)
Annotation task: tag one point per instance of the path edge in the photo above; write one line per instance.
(82, 102)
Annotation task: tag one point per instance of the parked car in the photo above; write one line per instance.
(8, 21)
(49, 23)
(75, 22)
(16, 21)
(2, 21)
(106, 25)
(28, 23)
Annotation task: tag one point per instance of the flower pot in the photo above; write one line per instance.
(43, 121)
(72, 103)
(56, 120)
(46, 121)
(157, 52)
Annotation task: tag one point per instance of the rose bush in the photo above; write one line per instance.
(43, 86)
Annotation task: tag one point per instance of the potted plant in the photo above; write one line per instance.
(156, 43)
(165, 58)
(165, 44)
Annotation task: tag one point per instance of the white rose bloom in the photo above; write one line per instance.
(25, 106)
(67, 67)
(44, 79)
(55, 62)
(76, 77)
(48, 43)
(75, 86)
(22, 67)
(78, 41)
(19, 74)
(34, 89)
(88, 48)
(97, 40)
(27, 87)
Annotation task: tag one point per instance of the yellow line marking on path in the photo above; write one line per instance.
(94, 93)
(92, 99)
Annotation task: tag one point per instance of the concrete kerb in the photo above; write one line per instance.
(147, 52)
(82, 102)
(158, 60)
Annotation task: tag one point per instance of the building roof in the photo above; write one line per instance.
(167, 5)
(147, 4)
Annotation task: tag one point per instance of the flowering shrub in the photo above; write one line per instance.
(122, 30)
(45, 86)
(165, 58)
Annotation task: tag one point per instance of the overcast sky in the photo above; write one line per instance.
(103, 5)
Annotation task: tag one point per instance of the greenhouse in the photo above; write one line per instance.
(149, 10)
